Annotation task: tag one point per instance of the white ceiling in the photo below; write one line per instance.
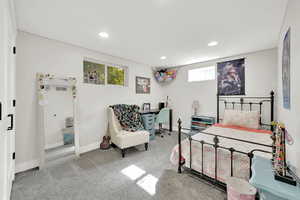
(145, 30)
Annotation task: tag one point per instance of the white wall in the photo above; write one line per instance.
(260, 72)
(58, 108)
(291, 117)
(37, 54)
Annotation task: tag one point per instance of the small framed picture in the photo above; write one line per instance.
(142, 85)
(146, 107)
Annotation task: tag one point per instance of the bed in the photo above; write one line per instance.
(222, 150)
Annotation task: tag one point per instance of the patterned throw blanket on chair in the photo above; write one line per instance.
(128, 116)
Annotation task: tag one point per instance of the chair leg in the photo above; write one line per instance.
(146, 146)
(123, 153)
(113, 145)
(160, 130)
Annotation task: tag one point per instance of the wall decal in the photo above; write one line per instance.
(165, 74)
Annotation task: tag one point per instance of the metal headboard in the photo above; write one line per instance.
(239, 102)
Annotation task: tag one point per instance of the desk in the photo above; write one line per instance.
(156, 111)
(269, 188)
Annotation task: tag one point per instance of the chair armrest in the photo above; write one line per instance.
(113, 123)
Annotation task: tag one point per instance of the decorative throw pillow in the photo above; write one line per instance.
(129, 117)
(248, 119)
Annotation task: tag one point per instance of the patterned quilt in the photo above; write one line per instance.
(129, 117)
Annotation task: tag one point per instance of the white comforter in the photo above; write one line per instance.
(240, 161)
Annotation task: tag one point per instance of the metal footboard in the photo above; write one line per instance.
(216, 145)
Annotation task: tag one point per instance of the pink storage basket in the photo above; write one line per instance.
(239, 189)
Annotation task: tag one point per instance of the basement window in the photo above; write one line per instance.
(104, 74)
(115, 75)
(202, 74)
(94, 73)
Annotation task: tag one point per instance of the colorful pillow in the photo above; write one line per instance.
(248, 119)
(129, 117)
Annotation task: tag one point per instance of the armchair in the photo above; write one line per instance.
(125, 139)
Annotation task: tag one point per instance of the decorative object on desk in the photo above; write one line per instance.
(146, 106)
(161, 105)
(286, 72)
(105, 143)
(196, 107)
(279, 155)
(142, 85)
(165, 74)
(231, 77)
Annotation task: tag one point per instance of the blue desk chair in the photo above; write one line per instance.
(163, 118)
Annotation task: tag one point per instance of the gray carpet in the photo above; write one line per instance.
(104, 175)
(172, 186)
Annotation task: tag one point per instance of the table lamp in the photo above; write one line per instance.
(196, 106)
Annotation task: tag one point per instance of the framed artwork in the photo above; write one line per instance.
(146, 106)
(286, 71)
(231, 77)
(142, 85)
(93, 73)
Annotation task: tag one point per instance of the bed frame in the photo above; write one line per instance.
(233, 102)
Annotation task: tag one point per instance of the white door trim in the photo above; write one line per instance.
(8, 38)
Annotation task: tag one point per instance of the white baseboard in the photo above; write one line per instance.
(21, 167)
(26, 166)
(51, 146)
(89, 147)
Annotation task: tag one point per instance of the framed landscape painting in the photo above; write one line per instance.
(142, 85)
(286, 71)
(231, 77)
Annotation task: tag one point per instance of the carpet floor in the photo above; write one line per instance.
(105, 175)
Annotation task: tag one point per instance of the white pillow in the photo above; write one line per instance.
(248, 119)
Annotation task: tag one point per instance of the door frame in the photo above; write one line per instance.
(8, 61)
(43, 82)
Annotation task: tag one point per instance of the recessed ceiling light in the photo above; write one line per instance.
(103, 35)
(212, 43)
(163, 57)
